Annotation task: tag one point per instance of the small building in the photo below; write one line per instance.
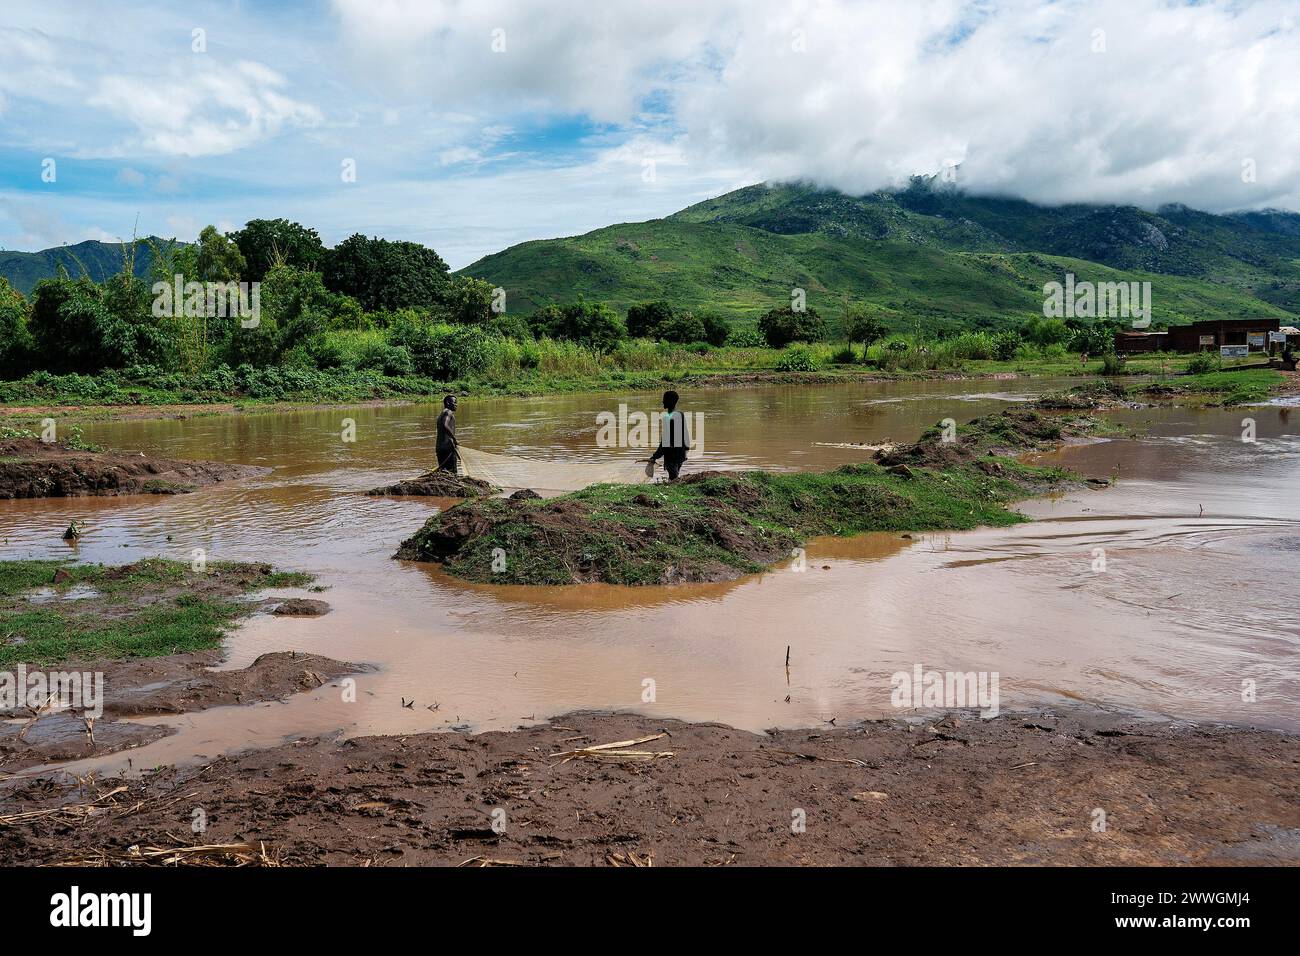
(1128, 342)
(1212, 335)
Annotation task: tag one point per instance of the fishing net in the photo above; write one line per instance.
(511, 471)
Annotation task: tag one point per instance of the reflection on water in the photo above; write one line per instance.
(1200, 538)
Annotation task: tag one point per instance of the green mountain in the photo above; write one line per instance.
(99, 260)
(926, 255)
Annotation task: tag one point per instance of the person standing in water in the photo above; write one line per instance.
(674, 439)
(448, 447)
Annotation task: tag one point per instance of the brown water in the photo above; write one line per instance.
(1201, 539)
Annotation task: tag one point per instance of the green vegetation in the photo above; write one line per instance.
(924, 259)
(716, 526)
(1242, 387)
(145, 609)
(922, 281)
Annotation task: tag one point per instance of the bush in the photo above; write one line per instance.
(386, 358)
(1203, 362)
(444, 352)
(745, 337)
(797, 359)
(844, 355)
(782, 326)
(1006, 345)
(595, 325)
(861, 325)
(1112, 364)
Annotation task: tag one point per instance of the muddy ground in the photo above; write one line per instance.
(30, 468)
(1013, 790)
(175, 684)
(438, 484)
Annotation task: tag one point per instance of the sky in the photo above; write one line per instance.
(472, 125)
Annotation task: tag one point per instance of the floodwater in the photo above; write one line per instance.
(1172, 593)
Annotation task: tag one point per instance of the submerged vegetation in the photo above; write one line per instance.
(720, 525)
(54, 611)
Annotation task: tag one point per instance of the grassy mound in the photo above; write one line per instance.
(716, 526)
(55, 611)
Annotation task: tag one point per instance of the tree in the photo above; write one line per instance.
(295, 308)
(74, 329)
(716, 327)
(593, 324)
(384, 275)
(218, 258)
(682, 327)
(468, 301)
(265, 243)
(863, 326)
(15, 341)
(644, 320)
(782, 326)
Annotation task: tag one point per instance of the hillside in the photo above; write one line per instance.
(930, 255)
(100, 260)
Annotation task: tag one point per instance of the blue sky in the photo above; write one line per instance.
(476, 125)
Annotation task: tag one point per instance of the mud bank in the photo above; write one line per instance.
(1018, 789)
(176, 684)
(717, 526)
(30, 468)
(438, 484)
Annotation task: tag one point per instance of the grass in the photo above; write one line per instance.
(146, 609)
(1220, 388)
(717, 526)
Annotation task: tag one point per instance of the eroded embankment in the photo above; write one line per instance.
(716, 526)
(30, 468)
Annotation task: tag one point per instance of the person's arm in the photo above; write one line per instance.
(451, 429)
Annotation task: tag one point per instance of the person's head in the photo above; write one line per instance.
(670, 400)
(449, 402)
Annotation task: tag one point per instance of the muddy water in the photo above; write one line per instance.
(1200, 540)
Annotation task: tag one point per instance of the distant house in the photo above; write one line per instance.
(1200, 336)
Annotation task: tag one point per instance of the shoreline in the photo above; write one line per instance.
(1020, 789)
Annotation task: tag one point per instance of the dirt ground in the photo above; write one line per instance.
(176, 684)
(1013, 790)
(30, 468)
(438, 484)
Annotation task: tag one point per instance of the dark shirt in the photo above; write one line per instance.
(446, 428)
(674, 439)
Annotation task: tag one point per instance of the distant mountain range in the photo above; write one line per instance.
(99, 260)
(928, 255)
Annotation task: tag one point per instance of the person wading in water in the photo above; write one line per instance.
(448, 447)
(673, 437)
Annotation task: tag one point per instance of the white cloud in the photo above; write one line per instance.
(210, 108)
(1163, 104)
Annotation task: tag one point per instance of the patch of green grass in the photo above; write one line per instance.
(1220, 388)
(145, 609)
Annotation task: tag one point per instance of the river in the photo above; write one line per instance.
(1166, 594)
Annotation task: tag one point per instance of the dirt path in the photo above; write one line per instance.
(1013, 790)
